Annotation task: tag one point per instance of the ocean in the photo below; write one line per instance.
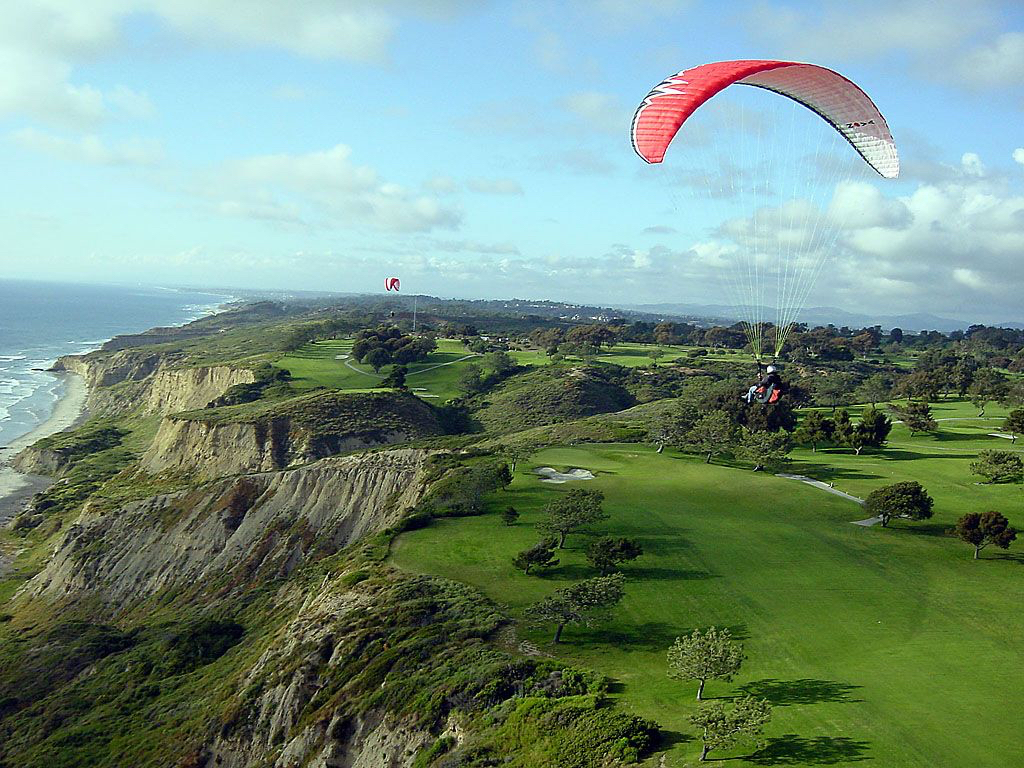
(40, 321)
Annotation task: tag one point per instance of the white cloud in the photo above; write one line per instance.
(89, 149)
(840, 30)
(441, 185)
(994, 65)
(495, 186)
(1018, 155)
(859, 205)
(43, 41)
(972, 165)
(328, 189)
(322, 29)
(968, 277)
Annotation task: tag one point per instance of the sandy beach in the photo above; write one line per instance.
(16, 488)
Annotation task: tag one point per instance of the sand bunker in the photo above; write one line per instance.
(552, 475)
(1000, 434)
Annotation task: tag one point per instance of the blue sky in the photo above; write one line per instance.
(482, 149)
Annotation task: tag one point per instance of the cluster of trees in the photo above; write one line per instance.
(476, 377)
(386, 345)
(586, 602)
(871, 431)
(573, 512)
(714, 655)
(711, 420)
(998, 466)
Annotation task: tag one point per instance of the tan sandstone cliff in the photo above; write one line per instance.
(148, 382)
(258, 524)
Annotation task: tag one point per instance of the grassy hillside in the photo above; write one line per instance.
(887, 647)
(552, 395)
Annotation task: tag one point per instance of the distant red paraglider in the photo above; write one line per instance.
(392, 284)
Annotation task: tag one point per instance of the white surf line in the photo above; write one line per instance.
(828, 488)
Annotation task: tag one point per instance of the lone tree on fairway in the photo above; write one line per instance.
(607, 552)
(509, 516)
(871, 431)
(984, 528)
(540, 555)
(1014, 424)
(515, 453)
(833, 390)
(917, 416)
(765, 450)
(571, 512)
(874, 389)
(906, 500)
(989, 384)
(673, 428)
(713, 433)
(584, 603)
(723, 727)
(703, 656)
(998, 466)
(814, 428)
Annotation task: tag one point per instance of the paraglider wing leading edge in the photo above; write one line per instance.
(835, 99)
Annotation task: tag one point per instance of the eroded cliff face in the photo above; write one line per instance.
(210, 450)
(148, 382)
(232, 530)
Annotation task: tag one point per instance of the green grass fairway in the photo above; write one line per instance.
(317, 365)
(878, 647)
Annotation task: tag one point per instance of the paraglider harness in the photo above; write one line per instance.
(768, 390)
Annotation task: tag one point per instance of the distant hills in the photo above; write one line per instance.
(917, 321)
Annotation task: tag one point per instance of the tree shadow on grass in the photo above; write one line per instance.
(827, 472)
(952, 437)
(783, 693)
(920, 529)
(898, 454)
(791, 749)
(648, 636)
(665, 740)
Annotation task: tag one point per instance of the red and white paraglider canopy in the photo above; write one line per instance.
(834, 98)
(392, 284)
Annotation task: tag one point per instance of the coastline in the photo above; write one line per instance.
(17, 488)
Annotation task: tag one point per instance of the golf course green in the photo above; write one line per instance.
(887, 647)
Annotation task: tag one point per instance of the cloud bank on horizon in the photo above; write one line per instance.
(482, 150)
